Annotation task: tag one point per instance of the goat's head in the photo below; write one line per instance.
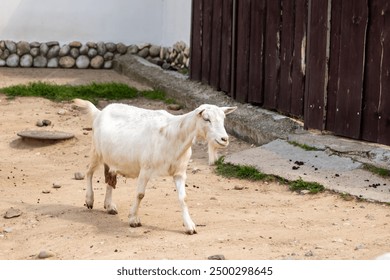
(211, 127)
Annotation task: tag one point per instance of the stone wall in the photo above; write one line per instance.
(89, 55)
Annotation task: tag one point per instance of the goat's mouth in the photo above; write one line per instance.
(222, 144)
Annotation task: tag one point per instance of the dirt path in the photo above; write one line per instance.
(261, 221)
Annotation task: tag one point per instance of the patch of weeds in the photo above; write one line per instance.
(347, 196)
(383, 172)
(312, 187)
(92, 92)
(303, 146)
(230, 170)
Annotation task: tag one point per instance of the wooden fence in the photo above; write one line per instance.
(325, 61)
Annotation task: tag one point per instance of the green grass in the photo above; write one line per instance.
(92, 92)
(245, 172)
(303, 146)
(383, 172)
(300, 185)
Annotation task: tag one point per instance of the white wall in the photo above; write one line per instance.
(161, 22)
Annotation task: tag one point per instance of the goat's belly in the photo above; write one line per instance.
(129, 171)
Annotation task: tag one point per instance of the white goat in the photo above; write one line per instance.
(142, 143)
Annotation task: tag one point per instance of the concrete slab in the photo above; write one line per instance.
(334, 172)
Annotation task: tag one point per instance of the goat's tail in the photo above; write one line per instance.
(85, 104)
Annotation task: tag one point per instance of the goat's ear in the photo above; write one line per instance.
(200, 112)
(228, 110)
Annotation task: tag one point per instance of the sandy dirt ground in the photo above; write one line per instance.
(235, 218)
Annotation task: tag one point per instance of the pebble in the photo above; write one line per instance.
(238, 188)
(12, 213)
(46, 191)
(56, 185)
(8, 230)
(79, 176)
(45, 254)
(309, 254)
(216, 257)
(174, 107)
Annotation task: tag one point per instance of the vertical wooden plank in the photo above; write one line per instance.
(372, 81)
(226, 46)
(242, 47)
(255, 91)
(286, 53)
(384, 112)
(352, 47)
(299, 59)
(206, 41)
(196, 41)
(271, 54)
(334, 65)
(216, 44)
(316, 77)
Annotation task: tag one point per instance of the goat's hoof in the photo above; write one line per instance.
(191, 232)
(135, 222)
(111, 210)
(88, 206)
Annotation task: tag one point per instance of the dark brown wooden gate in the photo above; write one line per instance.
(325, 61)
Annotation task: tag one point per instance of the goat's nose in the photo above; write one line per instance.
(225, 139)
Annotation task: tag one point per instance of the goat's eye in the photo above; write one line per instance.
(207, 120)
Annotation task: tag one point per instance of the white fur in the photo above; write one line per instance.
(142, 143)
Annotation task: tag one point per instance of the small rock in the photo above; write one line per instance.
(174, 107)
(46, 191)
(309, 254)
(8, 230)
(216, 257)
(12, 213)
(39, 123)
(303, 192)
(46, 122)
(56, 185)
(45, 254)
(79, 176)
(61, 112)
(360, 247)
(238, 188)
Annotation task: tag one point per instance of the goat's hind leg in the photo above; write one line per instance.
(89, 197)
(142, 181)
(110, 179)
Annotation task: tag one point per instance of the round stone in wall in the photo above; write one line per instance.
(111, 47)
(5, 54)
(107, 64)
(91, 45)
(52, 43)
(133, 49)
(65, 49)
(53, 51)
(34, 52)
(82, 62)
(97, 62)
(92, 52)
(154, 51)
(2, 63)
(13, 60)
(75, 44)
(74, 52)
(67, 62)
(101, 48)
(121, 48)
(26, 60)
(35, 44)
(40, 61)
(22, 47)
(84, 49)
(52, 63)
(43, 49)
(11, 46)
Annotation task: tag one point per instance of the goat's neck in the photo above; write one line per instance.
(183, 131)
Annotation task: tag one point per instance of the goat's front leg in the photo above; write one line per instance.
(110, 179)
(181, 191)
(142, 181)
